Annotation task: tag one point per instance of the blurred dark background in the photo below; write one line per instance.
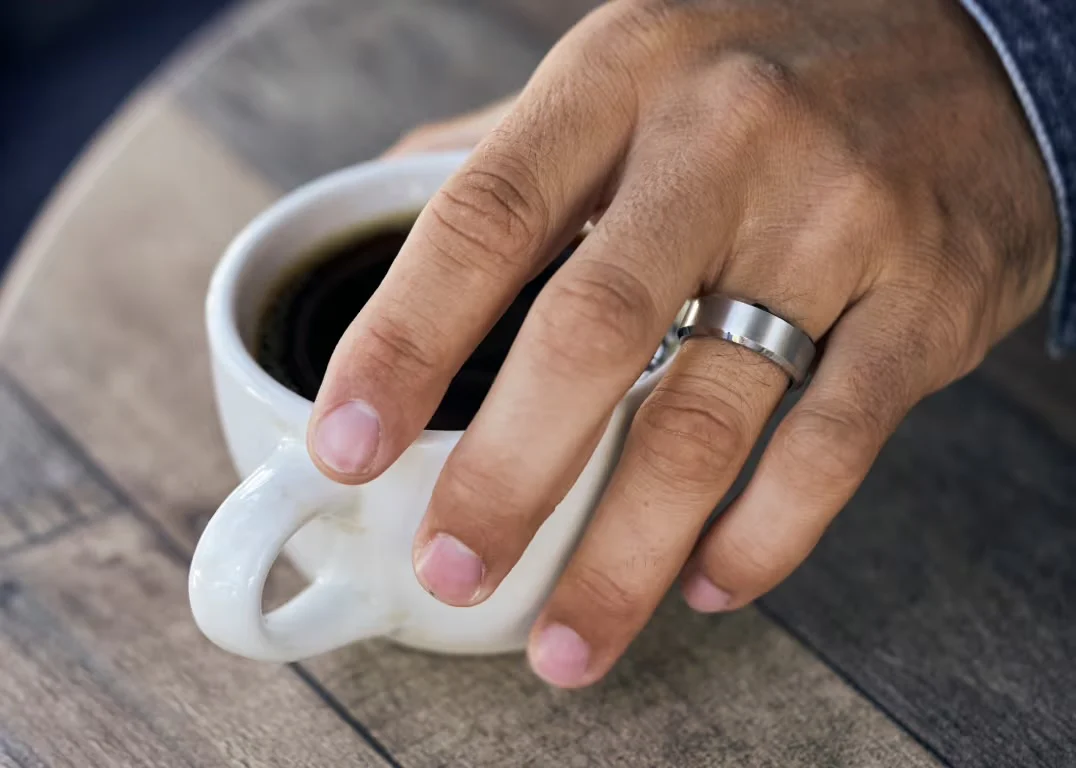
(65, 66)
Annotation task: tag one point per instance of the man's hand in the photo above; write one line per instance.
(860, 168)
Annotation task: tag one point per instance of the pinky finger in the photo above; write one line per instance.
(819, 455)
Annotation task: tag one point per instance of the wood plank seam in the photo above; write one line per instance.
(850, 681)
(35, 513)
(39, 540)
(1034, 419)
(333, 703)
(20, 754)
(25, 610)
(174, 550)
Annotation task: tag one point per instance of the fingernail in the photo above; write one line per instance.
(704, 596)
(560, 656)
(449, 570)
(346, 438)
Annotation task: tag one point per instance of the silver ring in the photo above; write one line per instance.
(754, 327)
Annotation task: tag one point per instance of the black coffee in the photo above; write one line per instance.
(313, 306)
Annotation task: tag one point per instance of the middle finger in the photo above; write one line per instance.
(589, 335)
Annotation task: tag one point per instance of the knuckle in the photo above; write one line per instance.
(492, 218)
(954, 332)
(633, 32)
(594, 319)
(855, 200)
(744, 565)
(963, 282)
(633, 24)
(862, 198)
(690, 439)
(968, 282)
(396, 350)
(835, 442)
(943, 295)
(469, 482)
(939, 339)
(905, 361)
(763, 84)
(952, 248)
(922, 235)
(482, 498)
(605, 596)
(626, 47)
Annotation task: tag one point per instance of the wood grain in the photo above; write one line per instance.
(692, 691)
(105, 489)
(44, 493)
(102, 318)
(946, 589)
(323, 83)
(100, 663)
(126, 249)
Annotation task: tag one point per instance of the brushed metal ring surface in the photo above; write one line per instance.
(751, 326)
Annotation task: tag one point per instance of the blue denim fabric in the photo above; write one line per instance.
(1036, 40)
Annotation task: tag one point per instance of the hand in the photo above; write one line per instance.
(861, 169)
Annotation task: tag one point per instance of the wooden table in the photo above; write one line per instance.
(933, 625)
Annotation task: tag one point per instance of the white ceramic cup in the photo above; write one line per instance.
(352, 543)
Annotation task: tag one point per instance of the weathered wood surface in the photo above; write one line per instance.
(111, 460)
(100, 664)
(946, 589)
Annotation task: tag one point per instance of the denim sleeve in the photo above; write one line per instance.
(1036, 40)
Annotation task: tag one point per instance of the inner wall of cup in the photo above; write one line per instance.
(300, 230)
(310, 218)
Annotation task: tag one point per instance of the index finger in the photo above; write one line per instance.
(518, 200)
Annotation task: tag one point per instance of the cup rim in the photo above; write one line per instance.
(221, 304)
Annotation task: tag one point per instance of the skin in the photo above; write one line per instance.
(860, 168)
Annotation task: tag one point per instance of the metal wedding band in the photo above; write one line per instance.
(751, 326)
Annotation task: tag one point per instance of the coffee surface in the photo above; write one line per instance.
(312, 306)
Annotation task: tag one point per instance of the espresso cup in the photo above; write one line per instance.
(352, 543)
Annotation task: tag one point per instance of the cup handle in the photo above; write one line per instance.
(240, 544)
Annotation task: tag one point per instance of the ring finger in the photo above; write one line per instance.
(686, 447)
(590, 333)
